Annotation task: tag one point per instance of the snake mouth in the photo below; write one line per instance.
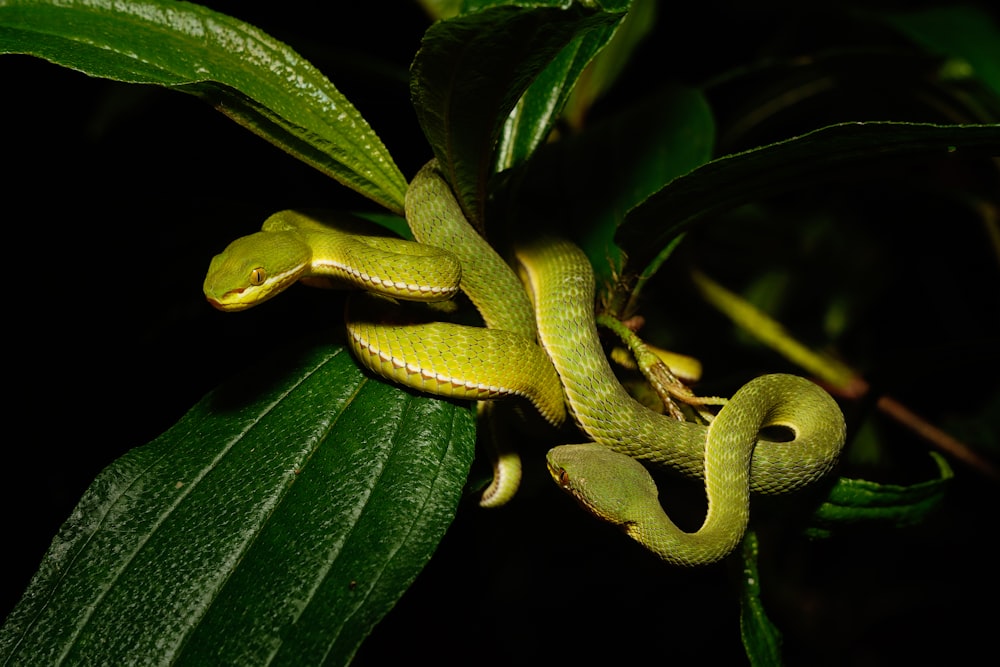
(228, 306)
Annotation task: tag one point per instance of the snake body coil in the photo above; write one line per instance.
(561, 280)
(605, 476)
(503, 360)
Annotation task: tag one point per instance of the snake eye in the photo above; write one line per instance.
(258, 276)
(564, 479)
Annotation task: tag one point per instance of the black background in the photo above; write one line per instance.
(114, 199)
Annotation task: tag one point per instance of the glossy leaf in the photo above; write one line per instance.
(255, 79)
(818, 156)
(278, 521)
(469, 73)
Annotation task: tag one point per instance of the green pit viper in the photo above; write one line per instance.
(564, 371)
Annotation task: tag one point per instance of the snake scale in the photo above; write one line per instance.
(564, 372)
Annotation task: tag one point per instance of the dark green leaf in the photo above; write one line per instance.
(248, 75)
(278, 521)
(470, 72)
(858, 501)
(603, 71)
(833, 152)
(531, 121)
(761, 639)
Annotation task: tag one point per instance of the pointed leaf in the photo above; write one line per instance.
(860, 502)
(277, 521)
(468, 75)
(257, 80)
(818, 156)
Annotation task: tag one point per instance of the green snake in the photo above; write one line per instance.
(565, 371)
(340, 250)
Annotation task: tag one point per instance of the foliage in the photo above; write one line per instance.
(810, 158)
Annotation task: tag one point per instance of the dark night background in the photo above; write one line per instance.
(115, 197)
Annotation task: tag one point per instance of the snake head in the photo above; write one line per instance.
(609, 485)
(254, 268)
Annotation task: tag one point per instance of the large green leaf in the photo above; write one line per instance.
(835, 151)
(469, 73)
(278, 521)
(257, 80)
